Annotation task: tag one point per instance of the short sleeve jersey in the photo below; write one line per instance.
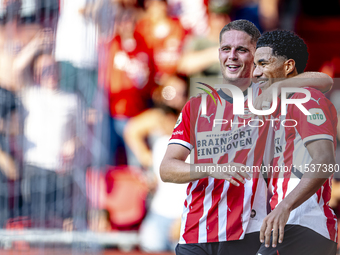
(292, 133)
(215, 210)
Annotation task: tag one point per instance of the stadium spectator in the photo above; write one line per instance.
(130, 75)
(193, 17)
(15, 37)
(76, 49)
(164, 35)
(200, 55)
(52, 138)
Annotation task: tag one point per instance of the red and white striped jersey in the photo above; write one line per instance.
(291, 155)
(215, 210)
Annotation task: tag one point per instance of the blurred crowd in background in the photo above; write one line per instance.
(90, 91)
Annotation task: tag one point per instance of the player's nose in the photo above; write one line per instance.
(257, 72)
(232, 54)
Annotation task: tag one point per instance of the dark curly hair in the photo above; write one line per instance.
(244, 26)
(286, 44)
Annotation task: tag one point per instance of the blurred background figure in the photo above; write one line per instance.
(51, 143)
(247, 9)
(14, 36)
(130, 74)
(200, 56)
(148, 134)
(81, 25)
(14, 41)
(51, 138)
(76, 48)
(193, 17)
(164, 35)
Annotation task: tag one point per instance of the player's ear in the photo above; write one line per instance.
(289, 66)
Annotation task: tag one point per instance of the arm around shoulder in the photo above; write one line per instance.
(317, 80)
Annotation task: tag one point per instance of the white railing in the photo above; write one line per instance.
(122, 240)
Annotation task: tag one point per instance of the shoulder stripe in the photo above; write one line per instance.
(317, 137)
(181, 142)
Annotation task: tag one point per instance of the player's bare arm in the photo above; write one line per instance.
(317, 80)
(138, 129)
(174, 169)
(322, 152)
(41, 41)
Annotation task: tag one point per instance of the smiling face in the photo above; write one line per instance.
(268, 67)
(236, 56)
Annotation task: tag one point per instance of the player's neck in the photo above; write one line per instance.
(242, 84)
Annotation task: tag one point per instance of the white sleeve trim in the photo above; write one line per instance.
(181, 142)
(317, 137)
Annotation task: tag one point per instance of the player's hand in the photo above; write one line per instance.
(44, 39)
(275, 221)
(151, 181)
(145, 159)
(230, 172)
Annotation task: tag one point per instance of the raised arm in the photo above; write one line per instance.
(43, 40)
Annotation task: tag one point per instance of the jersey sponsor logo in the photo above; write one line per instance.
(317, 116)
(179, 120)
(316, 100)
(211, 144)
(178, 132)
